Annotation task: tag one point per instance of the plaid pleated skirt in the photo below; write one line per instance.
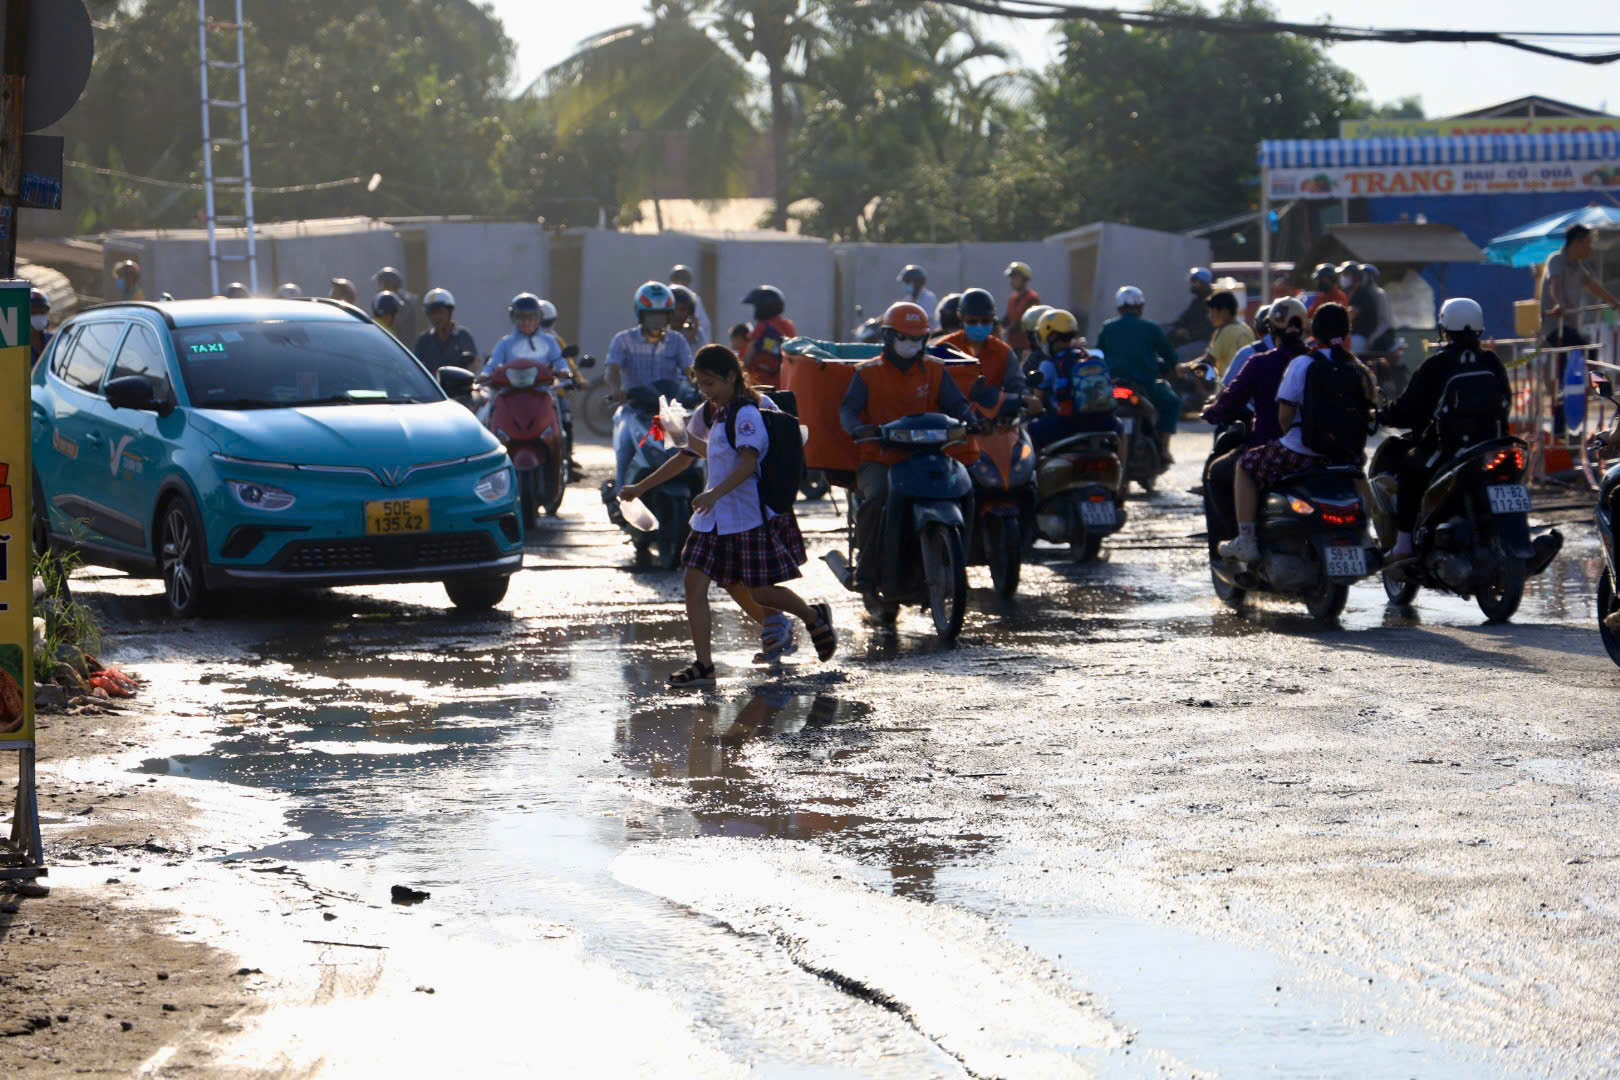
(764, 555)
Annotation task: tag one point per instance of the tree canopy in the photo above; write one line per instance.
(899, 120)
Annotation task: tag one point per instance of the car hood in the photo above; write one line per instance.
(385, 436)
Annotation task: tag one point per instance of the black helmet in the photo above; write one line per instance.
(767, 301)
(37, 298)
(385, 275)
(387, 303)
(949, 312)
(978, 304)
(683, 295)
(1325, 270)
(680, 274)
(524, 303)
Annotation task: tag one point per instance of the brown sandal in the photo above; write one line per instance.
(822, 634)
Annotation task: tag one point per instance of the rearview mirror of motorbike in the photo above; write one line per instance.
(586, 361)
(1604, 388)
(456, 381)
(1035, 380)
(570, 352)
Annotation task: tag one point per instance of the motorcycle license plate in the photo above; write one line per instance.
(1508, 498)
(388, 517)
(1346, 560)
(1128, 423)
(1097, 513)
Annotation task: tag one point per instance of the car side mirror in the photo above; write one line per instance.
(587, 361)
(133, 392)
(456, 381)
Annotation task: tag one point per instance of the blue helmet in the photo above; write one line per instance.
(1202, 273)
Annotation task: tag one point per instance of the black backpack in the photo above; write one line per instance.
(1473, 405)
(1335, 415)
(781, 469)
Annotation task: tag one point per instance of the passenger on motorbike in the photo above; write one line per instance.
(1372, 321)
(762, 359)
(1137, 352)
(445, 344)
(641, 356)
(1262, 342)
(1458, 396)
(1076, 388)
(1326, 280)
(1020, 300)
(1263, 465)
(915, 280)
(903, 381)
(684, 321)
(681, 274)
(1251, 395)
(948, 317)
(975, 336)
(570, 355)
(385, 309)
(1032, 356)
(1231, 333)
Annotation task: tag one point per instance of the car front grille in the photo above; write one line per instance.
(387, 552)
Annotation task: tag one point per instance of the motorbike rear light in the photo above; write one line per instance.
(1124, 393)
(1508, 459)
(1096, 464)
(1097, 498)
(1340, 513)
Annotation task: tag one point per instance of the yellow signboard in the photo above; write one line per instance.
(16, 580)
(1477, 125)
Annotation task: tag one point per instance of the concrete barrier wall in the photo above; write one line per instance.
(867, 272)
(1114, 255)
(614, 264)
(484, 265)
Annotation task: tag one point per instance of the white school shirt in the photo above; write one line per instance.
(739, 509)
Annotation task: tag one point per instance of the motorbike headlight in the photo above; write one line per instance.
(260, 496)
(985, 473)
(522, 378)
(495, 486)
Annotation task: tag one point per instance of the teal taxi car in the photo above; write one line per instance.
(265, 444)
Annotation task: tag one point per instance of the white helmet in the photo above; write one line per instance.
(1129, 296)
(289, 290)
(1460, 313)
(1286, 311)
(548, 313)
(438, 298)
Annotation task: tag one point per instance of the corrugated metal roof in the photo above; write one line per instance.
(1396, 244)
(1440, 150)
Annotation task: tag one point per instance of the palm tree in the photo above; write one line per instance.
(665, 76)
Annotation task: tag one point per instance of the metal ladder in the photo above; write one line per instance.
(217, 187)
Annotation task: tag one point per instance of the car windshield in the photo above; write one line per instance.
(284, 365)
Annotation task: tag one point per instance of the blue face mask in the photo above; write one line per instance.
(977, 331)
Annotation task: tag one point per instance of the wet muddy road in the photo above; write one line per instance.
(1119, 831)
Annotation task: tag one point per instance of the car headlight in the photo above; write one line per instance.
(260, 496)
(495, 486)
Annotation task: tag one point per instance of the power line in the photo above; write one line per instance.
(186, 185)
(1214, 24)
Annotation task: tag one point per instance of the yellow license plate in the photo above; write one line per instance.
(390, 516)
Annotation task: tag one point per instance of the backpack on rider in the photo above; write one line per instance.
(1336, 415)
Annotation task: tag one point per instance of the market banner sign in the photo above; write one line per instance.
(1380, 181)
(16, 580)
(1475, 125)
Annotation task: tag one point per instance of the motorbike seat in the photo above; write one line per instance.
(1100, 441)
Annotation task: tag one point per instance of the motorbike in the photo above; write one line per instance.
(1196, 385)
(1143, 459)
(1314, 544)
(1077, 483)
(923, 560)
(1473, 529)
(525, 415)
(1608, 593)
(868, 331)
(1004, 499)
(1389, 368)
(670, 503)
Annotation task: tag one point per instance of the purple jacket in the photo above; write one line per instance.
(1256, 384)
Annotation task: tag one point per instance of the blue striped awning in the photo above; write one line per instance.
(1440, 150)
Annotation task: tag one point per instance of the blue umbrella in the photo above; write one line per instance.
(1529, 245)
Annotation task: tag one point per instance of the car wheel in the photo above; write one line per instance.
(477, 594)
(180, 555)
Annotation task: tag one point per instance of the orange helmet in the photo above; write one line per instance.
(907, 318)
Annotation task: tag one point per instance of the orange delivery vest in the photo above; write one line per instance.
(992, 353)
(892, 394)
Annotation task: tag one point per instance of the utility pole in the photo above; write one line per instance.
(11, 130)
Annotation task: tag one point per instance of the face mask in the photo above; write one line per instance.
(654, 324)
(977, 331)
(905, 350)
(39, 322)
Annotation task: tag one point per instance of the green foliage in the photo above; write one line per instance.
(72, 630)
